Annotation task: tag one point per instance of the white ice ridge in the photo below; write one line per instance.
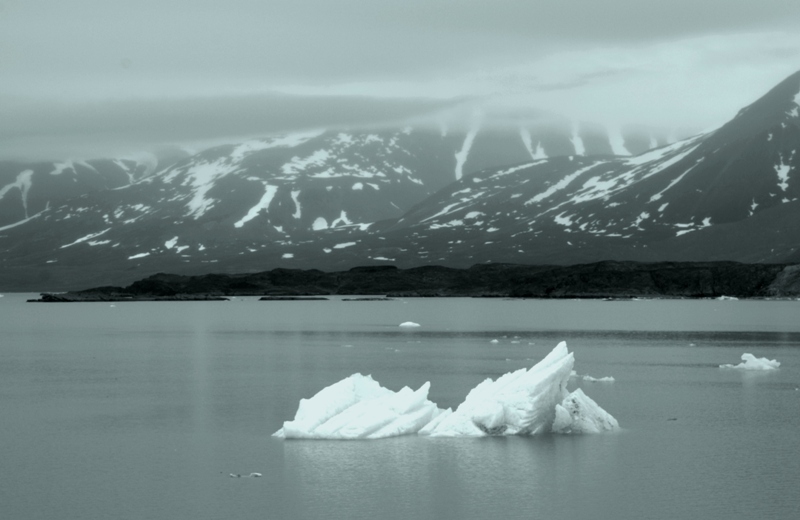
(359, 408)
(750, 362)
(524, 402)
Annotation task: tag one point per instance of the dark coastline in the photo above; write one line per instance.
(601, 280)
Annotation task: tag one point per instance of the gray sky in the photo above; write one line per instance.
(89, 77)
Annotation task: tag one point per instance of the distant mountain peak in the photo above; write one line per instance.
(779, 106)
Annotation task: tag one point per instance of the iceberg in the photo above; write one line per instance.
(578, 413)
(409, 324)
(524, 402)
(590, 379)
(606, 379)
(359, 408)
(518, 403)
(750, 362)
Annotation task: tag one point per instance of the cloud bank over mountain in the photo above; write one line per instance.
(81, 77)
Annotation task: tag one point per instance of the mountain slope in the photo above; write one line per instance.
(728, 194)
(411, 196)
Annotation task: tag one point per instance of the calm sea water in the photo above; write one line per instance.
(142, 410)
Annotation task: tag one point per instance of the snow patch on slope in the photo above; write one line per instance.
(665, 151)
(298, 164)
(461, 155)
(262, 204)
(200, 178)
(617, 141)
(23, 184)
(62, 167)
(525, 135)
(577, 141)
(285, 141)
(560, 185)
(85, 238)
(319, 224)
(342, 220)
(674, 181)
(297, 212)
(25, 221)
(783, 175)
(540, 153)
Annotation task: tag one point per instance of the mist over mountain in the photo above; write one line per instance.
(558, 192)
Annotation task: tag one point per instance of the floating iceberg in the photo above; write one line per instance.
(518, 403)
(750, 362)
(578, 413)
(359, 408)
(606, 379)
(409, 324)
(524, 402)
(590, 379)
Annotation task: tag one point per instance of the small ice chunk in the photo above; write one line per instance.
(239, 475)
(750, 362)
(578, 413)
(607, 379)
(409, 324)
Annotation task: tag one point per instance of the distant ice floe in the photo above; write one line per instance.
(590, 379)
(409, 324)
(523, 402)
(750, 362)
(239, 475)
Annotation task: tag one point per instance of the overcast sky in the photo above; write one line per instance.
(85, 78)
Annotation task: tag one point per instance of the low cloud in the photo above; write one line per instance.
(52, 130)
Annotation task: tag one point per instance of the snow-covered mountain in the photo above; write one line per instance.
(731, 194)
(556, 193)
(27, 189)
(259, 196)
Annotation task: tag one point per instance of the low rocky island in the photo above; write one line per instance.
(601, 280)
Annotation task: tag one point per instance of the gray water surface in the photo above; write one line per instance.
(142, 410)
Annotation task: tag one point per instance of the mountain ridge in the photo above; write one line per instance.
(335, 200)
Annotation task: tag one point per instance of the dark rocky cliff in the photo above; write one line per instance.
(597, 280)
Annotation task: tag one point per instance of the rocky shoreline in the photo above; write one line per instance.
(600, 280)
